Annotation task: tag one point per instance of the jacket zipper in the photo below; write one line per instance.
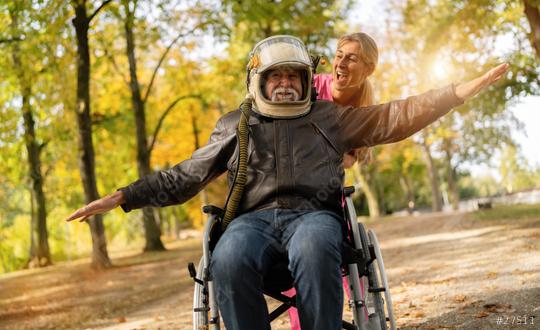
(320, 131)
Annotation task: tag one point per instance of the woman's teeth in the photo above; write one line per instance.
(341, 75)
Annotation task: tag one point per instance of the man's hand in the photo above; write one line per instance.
(473, 87)
(101, 205)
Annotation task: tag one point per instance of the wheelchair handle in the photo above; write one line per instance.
(348, 191)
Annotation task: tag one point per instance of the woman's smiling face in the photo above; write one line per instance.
(348, 69)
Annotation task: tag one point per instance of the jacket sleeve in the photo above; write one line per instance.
(395, 120)
(183, 181)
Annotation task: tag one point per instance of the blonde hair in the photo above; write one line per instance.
(369, 54)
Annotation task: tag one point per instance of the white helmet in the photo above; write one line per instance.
(268, 54)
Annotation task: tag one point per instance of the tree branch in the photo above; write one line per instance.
(110, 56)
(42, 146)
(165, 113)
(103, 4)
(162, 58)
(7, 40)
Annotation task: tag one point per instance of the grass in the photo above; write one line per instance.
(503, 212)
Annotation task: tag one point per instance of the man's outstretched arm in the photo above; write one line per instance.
(469, 89)
(172, 186)
(397, 120)
(102, 205)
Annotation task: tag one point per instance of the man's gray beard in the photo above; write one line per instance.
(284, 90)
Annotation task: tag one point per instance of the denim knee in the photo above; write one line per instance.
(317, 248)
(226, 265)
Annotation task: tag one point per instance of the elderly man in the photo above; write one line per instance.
(290, 207)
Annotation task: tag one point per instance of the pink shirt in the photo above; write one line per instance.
(323, 85)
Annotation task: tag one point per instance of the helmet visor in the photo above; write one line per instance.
(277, 50)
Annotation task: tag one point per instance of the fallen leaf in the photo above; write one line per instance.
(121, 319)
(418, 314)
(459, 298)
(518, 272)
(481, 315)
(497, 308)
(492, 275)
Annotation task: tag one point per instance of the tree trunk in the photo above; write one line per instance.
(371, 196)
(177, 223)
(532, 12)
(151, 229)
(407, 187)
(453, 194)
(39, 254)
(436, 196)
(100, 256)
(33, 226)
(203, 196)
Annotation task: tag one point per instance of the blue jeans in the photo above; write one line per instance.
(310, 241)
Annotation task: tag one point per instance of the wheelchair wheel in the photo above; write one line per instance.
(374, 298)
(200, 301)
(380, 274)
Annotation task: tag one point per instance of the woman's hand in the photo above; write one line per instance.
(99, 206)
(473, 87)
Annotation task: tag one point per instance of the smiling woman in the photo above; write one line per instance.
(355, 60)
(348, 85)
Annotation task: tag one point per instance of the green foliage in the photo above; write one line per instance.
(13, 250)
(313, 21)
(516, 172)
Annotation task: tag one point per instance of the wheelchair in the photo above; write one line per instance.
(370, 301)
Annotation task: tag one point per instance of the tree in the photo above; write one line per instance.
(436, 196)
(532, 12)
(81, 23)
(39, 251)
(516, 172)
(139, 101)
(361, 180)
(151, 229)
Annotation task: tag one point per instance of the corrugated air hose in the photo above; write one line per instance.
(241, 173)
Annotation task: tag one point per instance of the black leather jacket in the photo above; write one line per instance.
(293, 163)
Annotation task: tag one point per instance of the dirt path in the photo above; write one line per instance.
(445, 271)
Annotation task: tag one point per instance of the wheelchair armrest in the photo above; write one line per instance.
(347, 191)
(211, 209)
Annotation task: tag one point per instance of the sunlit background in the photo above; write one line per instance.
(198, 52)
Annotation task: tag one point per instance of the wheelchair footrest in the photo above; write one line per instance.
(376, 290)
(201, 309)
(348, 326)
